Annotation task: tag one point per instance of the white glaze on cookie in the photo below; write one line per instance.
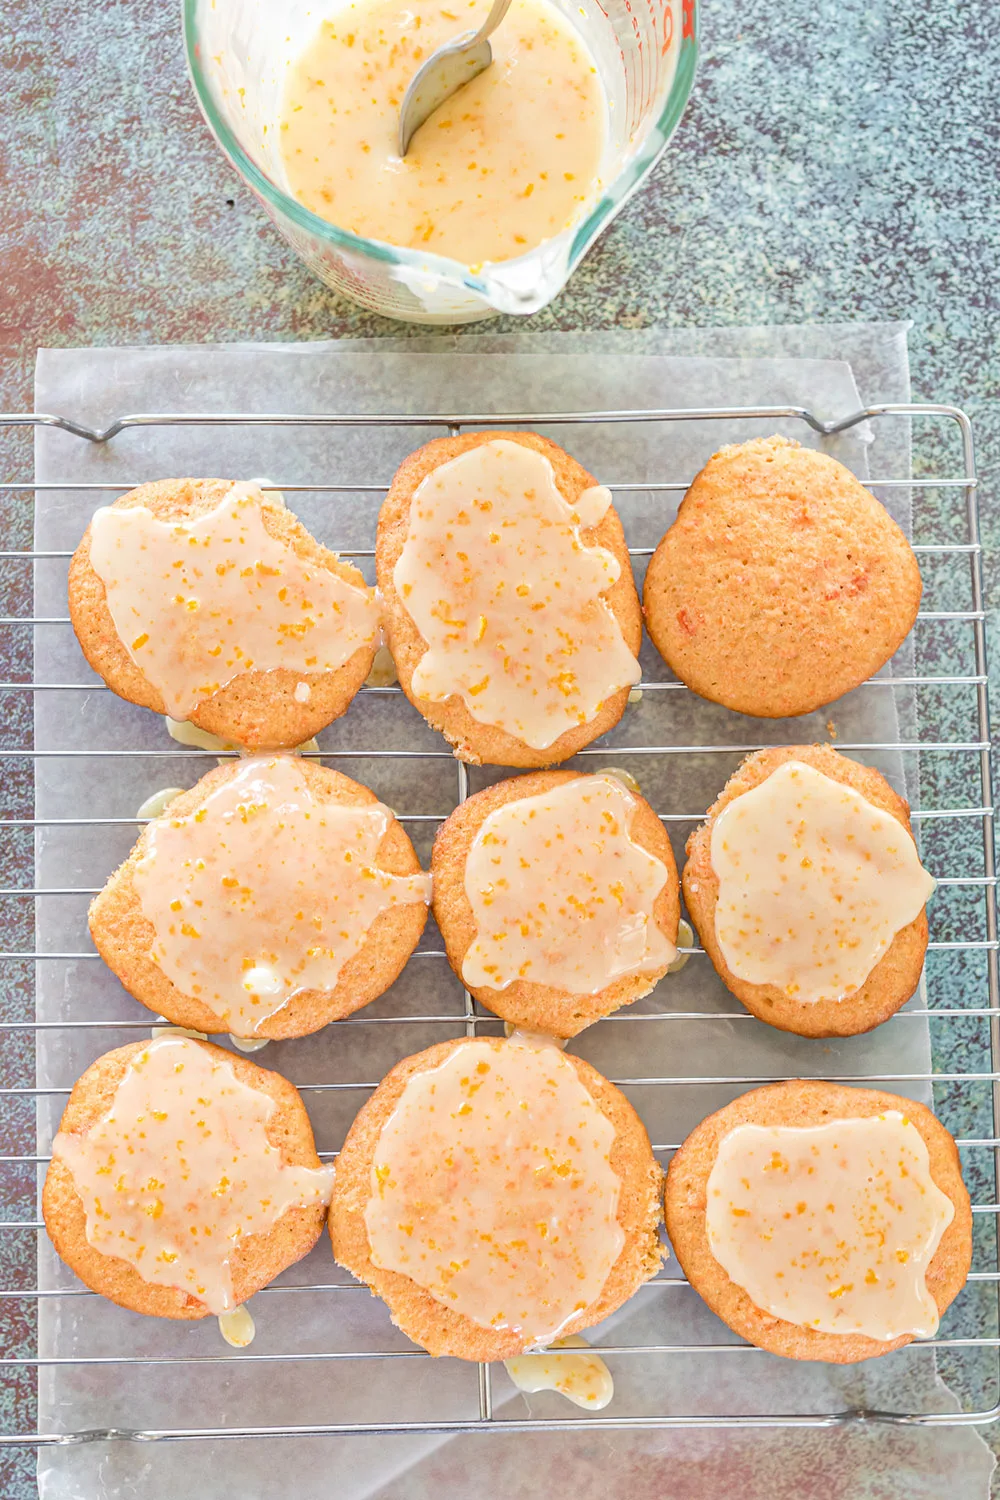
(830, 1226)
(561, 894)
(265, 890)
(179, 1170)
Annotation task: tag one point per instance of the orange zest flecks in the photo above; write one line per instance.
(561, 894)
(506, 164)
(245, 868)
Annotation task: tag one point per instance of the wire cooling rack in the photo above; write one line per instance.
(960, 1000)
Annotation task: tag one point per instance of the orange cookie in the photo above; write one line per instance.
(169, 1194)
(782, 584)
(255, 886)
(251, 643)
(493, 1193)
(535, 631)
(895, 976)
(798, 1104)
(579, 899)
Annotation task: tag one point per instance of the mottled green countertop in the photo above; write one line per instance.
(837, 163)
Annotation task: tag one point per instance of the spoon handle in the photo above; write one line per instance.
(498, 10)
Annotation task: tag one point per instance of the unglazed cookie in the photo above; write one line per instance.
(185, 1215)
(808, 909)
(751, 1195)
(589, 900)
(497, 1195)
(782, 584)
(208, 601)
(273, 897)
(508, 595)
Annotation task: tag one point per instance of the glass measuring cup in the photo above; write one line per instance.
(238, 51)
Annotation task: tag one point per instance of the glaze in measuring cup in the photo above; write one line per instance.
(238, 52)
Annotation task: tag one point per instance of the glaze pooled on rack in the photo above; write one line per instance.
(178, 1174)
(582, 1377)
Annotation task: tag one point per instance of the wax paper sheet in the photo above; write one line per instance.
(829, 371)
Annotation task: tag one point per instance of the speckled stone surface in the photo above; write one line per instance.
(837, 162)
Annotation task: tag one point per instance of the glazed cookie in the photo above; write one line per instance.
(808, 894)
(782, 584)
(557, 898)
(183, 1228)
(508, 595)
(208, 601)
(497, 1195)
(273, 897)
(822, 1222)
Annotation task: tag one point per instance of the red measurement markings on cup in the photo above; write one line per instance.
(653, 34)
(666, 29)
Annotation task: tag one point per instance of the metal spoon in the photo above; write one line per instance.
(445, 72)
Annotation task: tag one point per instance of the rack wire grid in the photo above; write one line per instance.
(953, 823)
